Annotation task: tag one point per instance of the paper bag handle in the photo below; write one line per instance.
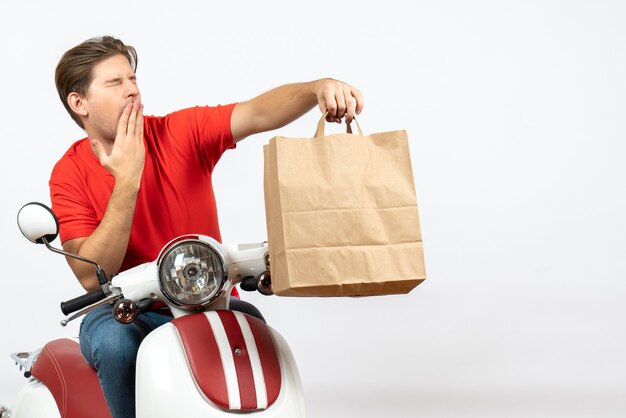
(320, 126)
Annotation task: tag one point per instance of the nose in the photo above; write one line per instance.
(131, 89)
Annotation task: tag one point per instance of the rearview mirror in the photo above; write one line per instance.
(38, 223)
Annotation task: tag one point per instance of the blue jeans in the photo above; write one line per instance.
(111, 349)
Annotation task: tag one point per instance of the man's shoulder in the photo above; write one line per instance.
(76, 148)
(194, 112)
(70, 158)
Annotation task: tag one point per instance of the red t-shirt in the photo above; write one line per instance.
(176, 194)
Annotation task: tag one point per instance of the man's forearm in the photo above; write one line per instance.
(282, 105)
(276, 108)
(108, 243)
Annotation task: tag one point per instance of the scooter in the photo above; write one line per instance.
(209, 361)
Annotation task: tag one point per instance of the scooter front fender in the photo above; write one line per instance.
(168, 383)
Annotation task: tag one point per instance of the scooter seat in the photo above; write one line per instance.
(64, 371)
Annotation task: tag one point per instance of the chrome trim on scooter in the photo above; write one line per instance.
(184, 241)
(264, 284)
(25, 361)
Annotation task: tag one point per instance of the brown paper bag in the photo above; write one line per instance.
(342, 215)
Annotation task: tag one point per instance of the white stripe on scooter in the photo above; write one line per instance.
(255, 361)
(228, 363)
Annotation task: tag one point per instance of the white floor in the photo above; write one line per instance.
(478, 404)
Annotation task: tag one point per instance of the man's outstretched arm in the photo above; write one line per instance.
(282, 105)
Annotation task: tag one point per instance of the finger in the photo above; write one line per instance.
(323, 106)
(123, 122)
(356, 93)
(341, 105)
(139, 123)
(132, 119)
(98, 150)
(331, 104)
(321, 102)
(358, 97)
(350, 109)
(350, 105)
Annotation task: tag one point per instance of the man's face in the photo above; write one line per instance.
(113, 86)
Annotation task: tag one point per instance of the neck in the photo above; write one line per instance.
(107, 143)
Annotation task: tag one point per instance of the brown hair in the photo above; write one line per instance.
(74, 70)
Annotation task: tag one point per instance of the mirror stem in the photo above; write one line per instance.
(102, 278)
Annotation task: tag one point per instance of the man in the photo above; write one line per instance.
(137, 182)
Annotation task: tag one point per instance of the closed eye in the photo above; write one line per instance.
(114, 81)
(118, 80)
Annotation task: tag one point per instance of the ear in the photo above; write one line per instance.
(77, 104)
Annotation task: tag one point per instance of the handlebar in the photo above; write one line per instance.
(263, 284)
(82, 301)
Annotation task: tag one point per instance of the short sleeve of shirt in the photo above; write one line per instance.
(70, 203)
(206, 127)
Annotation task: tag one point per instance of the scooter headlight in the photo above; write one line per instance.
(191, 273)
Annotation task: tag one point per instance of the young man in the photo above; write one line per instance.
(136, 182)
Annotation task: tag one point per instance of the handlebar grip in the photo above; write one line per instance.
(82, 301)
(248, 284)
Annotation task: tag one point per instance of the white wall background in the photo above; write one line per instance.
(515, 111)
